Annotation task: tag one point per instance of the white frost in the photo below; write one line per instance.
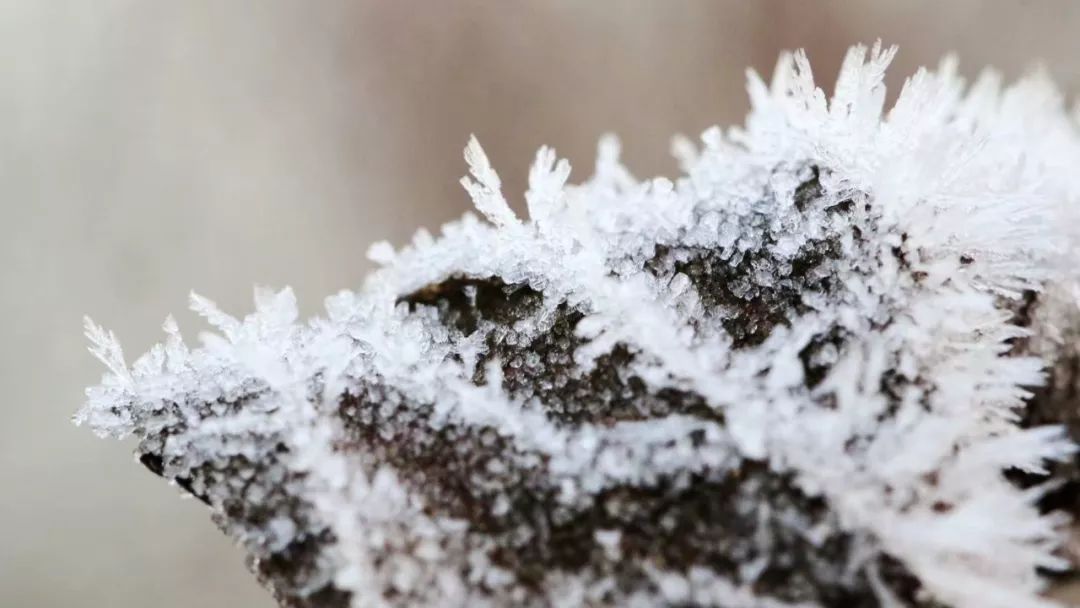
(963, 198)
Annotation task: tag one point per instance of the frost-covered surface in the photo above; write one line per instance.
(795, 376)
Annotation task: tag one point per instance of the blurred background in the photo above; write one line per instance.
(150, 148)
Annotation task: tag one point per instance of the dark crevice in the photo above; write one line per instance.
(819, 354)
(728, 287)
(542, 369)
(290, 570)
(463, 302)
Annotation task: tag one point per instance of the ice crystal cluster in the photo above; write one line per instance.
(832, 364)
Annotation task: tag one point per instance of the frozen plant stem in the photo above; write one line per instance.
(811, 371)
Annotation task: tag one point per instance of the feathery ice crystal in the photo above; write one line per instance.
(809, 372)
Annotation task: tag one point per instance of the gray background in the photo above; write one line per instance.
(148, 148)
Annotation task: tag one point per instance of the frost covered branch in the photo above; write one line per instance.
(810, 371)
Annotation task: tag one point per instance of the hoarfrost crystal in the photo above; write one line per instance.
(810, 371)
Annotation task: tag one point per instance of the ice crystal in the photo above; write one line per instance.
(809, 371)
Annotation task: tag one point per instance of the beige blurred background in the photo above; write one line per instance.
(148, 148)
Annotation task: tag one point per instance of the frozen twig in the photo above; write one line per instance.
(807, 372)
